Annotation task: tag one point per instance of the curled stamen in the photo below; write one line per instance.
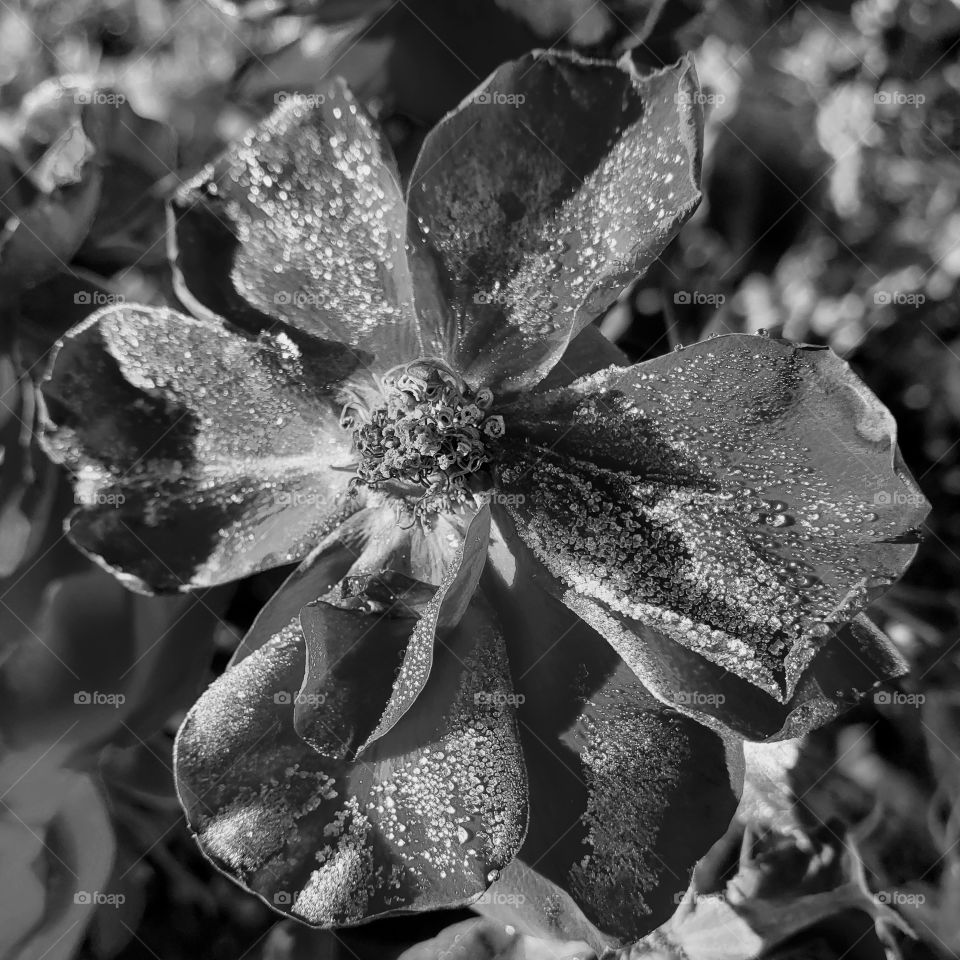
(431, 431)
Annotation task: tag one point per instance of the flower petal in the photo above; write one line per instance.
(438, 804)
(743, 498)
(442, 614)
(200, 455)
(352, 659)
(365, 544)
(52, 858)
(302, 221)
(589, 351)
(365, 671)
(625, 794)
(534, 233)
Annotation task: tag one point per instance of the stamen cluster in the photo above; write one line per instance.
(432, 431)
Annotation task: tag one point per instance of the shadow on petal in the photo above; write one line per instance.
(625, 794)
(199, 455)
(437, 806)
(534, 233)
(743, 498)
(302, 221)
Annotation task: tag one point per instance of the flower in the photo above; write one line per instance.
(542, 594)
(70, 156)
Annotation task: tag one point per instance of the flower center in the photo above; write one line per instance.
(432, 431)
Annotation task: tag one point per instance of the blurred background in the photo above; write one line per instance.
(831, 216)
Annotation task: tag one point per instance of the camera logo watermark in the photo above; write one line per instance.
(97, 298)
(508, 499)
(897, 498)
(896, 898)
(690, 896)
(898, 98)
(299, 298)
(305, 100)
(897, 698)
(109, 98)
(684, 98)
(696, 698)
(98, 899)
(497, 99)
(499, 297)
(497, 698)
(286, 697)
(898, 298)
(699, 298)
(95, 698)
(498, 899)
(97, 498)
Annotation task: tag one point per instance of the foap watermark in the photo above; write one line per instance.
(898, 98)
(684, 98)
(897, 698)
(96, 698)
(108, 98)
(499, 297)
(498, 698)
(897, 498)
(508, 499)
(898, 298)
(98, 899)
(305, 100)
(497, 898)
(294, 498)
(697, 698)
(497, 99)
(897, 898)
(691, 896)
(98, 498)
(699, 298)
(299, 298)
(287, 697)
(283, 898)
(97, 298)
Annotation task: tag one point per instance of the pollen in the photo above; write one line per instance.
(432, 431)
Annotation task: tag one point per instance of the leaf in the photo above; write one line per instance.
(96, 664)
(57, 143)
(418, 59)
(137, 155)
(747, 921)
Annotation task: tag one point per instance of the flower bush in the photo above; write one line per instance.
(542, 596)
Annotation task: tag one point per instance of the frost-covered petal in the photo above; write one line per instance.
(535, 232)
(436, 806)
(845, 668)
(441, 614)
(625, 794)
(364, 545)
(200, 455)
(743, 498)
(302, 221)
